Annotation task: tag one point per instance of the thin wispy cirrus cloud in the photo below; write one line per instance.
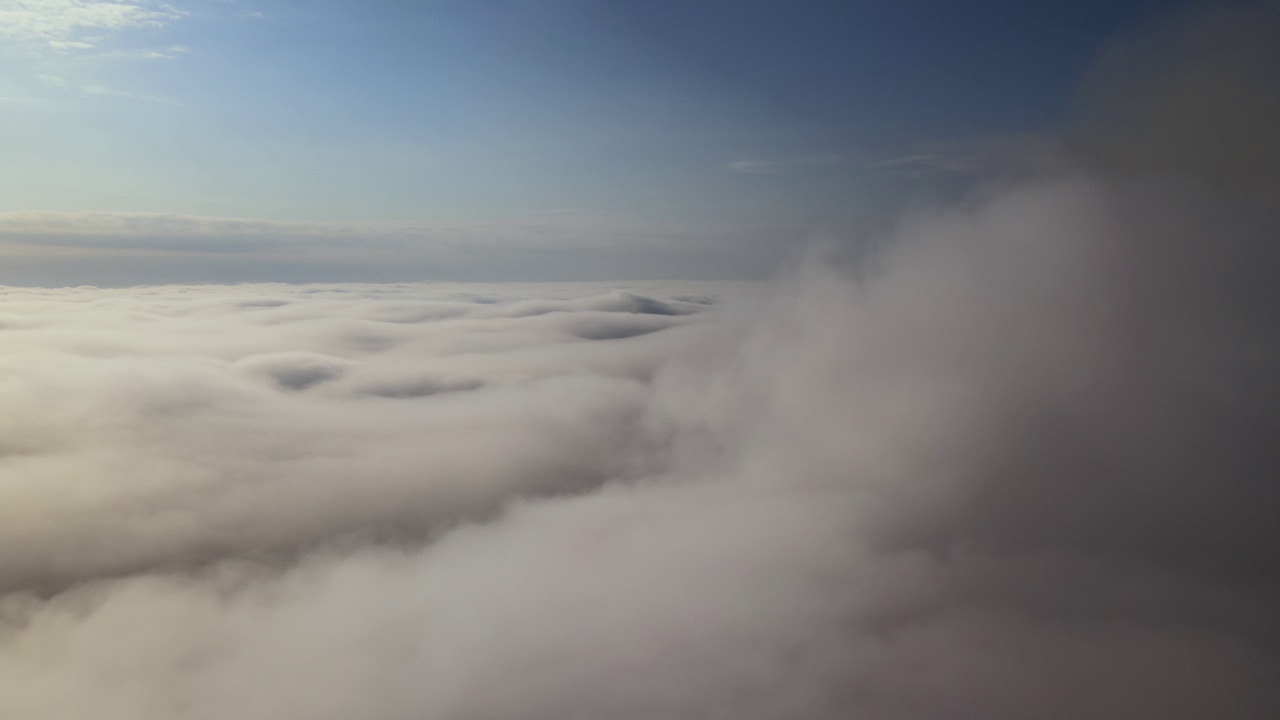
(755, 167)
(107, 91)
(54, 38)
(973, 157)
(173, 52)
(62, 25)
(771, 167)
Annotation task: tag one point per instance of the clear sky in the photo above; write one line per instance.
(388, 139)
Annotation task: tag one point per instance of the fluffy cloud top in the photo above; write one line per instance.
(1022, 469)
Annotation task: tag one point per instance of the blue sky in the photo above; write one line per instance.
(662, 125)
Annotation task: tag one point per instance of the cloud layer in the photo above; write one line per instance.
(121, 249)
(1021, 468)
(1019, 461)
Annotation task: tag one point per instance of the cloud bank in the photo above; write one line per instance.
(123, 249)
(1021, 468)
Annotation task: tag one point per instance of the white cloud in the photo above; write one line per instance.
(70, 45)
(1022, 469)
(66, 24)
(54, 38)
(173, 52)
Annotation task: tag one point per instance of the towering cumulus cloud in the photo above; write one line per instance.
(1018, 463)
